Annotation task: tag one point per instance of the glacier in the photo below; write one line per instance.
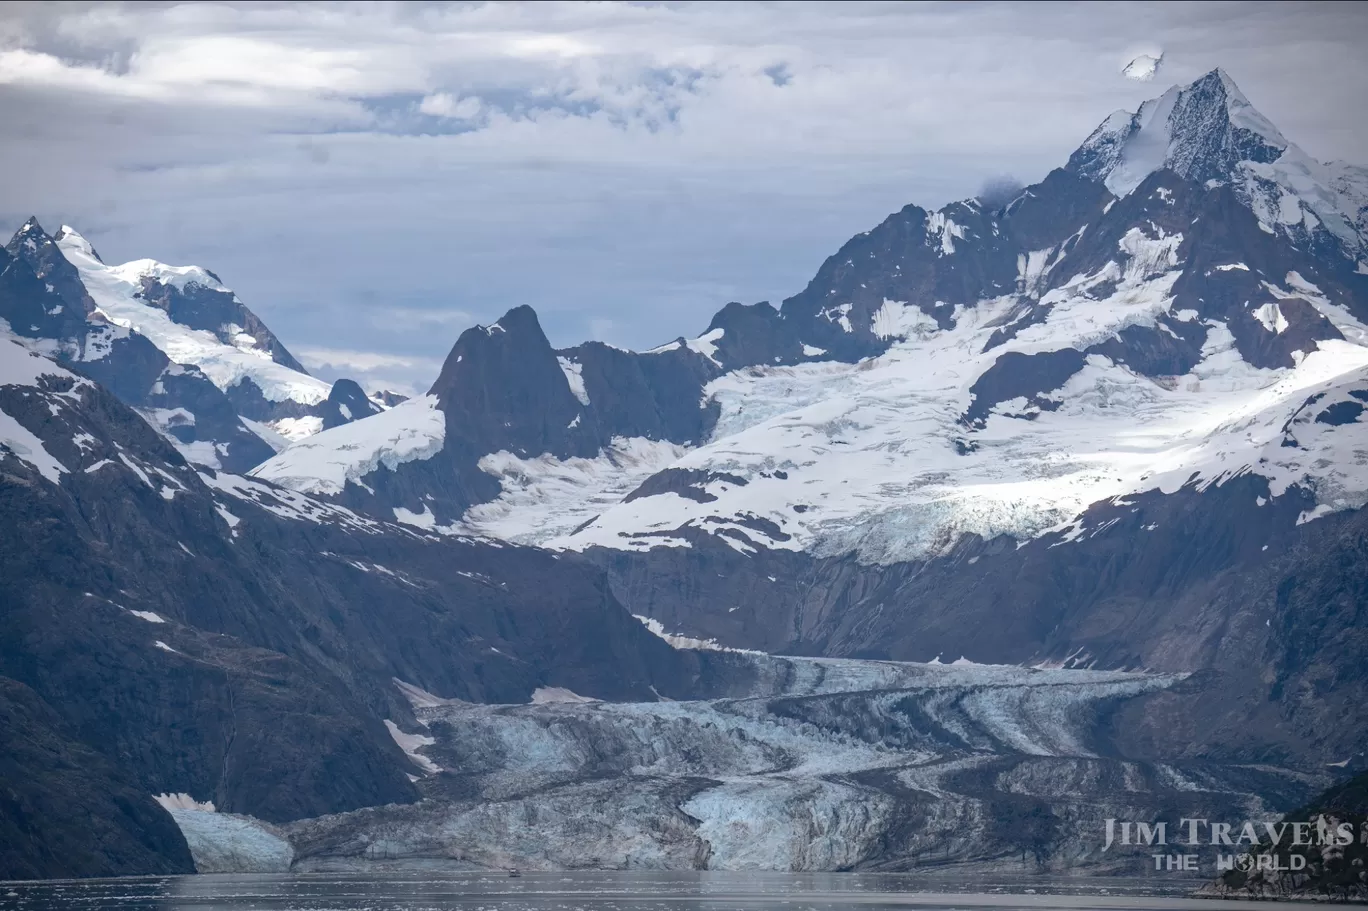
(820, 764)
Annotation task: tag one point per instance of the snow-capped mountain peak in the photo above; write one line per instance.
(1201, 131)
(173, 342)
(188, 313)
(1209, 132)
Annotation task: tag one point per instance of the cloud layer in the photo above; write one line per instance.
(371, 178)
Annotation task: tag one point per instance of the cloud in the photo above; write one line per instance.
(1143, 67)
(996, 192)
(364, 174)
(374, 370)
(444, 104)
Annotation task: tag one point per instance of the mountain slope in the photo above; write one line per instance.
(1112, 429)
(1317, 865)
(48, 775)
(221, 638)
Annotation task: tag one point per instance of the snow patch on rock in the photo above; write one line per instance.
(411, 744)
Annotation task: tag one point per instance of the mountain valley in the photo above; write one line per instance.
(1013, 520)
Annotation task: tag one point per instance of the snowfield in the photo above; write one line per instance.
(564, 494)
(869, 451)
(415, 429)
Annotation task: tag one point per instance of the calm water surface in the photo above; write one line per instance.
(602, 892)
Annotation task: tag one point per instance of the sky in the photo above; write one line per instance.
(372, 179)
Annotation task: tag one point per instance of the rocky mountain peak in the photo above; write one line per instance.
(1201, 131)
(30, 228)
(504, 385)
(346, 402)
(44, 293)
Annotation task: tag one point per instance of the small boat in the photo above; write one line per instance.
(513, 873)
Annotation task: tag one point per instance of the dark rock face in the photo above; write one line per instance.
(1208, 144)
(653, 395)
(754, 334)
(502, 388)
(59, 319)
(1021, 375)
(957, 256)
(688, 483)
(66, 810)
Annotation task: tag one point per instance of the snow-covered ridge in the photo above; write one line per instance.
(178, 277)
(950, 432)
(117, 292)
(325, 462)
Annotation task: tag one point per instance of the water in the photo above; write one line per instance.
(603, 892)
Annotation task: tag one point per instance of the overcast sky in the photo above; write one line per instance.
(372, 179)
